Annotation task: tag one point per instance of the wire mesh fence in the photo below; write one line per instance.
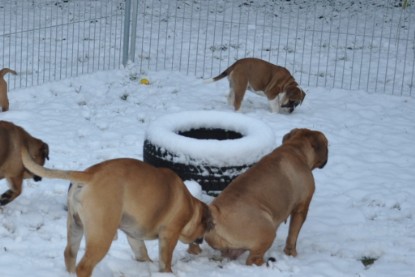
(364, 45)
(47, 40)
(354, 45)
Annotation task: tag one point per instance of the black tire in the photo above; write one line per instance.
(185, 128)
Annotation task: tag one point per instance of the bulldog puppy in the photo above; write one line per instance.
(247, 213)
(13, 138)
(143, 201)
(4, 101)
(264, 78)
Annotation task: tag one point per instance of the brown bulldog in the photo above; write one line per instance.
(4, 101)
(273, 81)
(13, 138)
(246, 215)
(143, 201)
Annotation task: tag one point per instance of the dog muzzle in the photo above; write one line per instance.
(291, 105)
(198, 241)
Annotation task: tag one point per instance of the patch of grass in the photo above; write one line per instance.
(368, 261)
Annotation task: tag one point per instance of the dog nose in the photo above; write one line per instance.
(199, 241)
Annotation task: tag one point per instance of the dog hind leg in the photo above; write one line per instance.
(4, 103)
(75, 233)
(259, 244)
(139, 248)
(256, 254)
(231, 95)
(100, 227)
(96, 247)
(238, 93)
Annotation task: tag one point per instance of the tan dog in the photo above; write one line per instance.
(13, 138)
(274, 82)
(246, 215)
(4, 100)
(143, 201)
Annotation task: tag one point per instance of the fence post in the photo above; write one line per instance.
(134, 8)
(126, 37)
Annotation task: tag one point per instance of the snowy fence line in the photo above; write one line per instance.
(48, 40)
(341, 44)
(367, 45)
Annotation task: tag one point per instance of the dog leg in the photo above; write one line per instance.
(139, 249)
(100, 227)
(4, 101)
(96, 247)
(5, 105)
(75, 233)
(231, 97)
(15, 185)
(256, 257)
(258, 245)
(274, 104)
(194, 249)
(239, 92)
(167, 242)
(297, 219)
(256, 254)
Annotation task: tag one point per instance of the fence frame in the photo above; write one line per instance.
(324, 46)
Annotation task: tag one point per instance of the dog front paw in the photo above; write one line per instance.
(194, 249)
(290, 251)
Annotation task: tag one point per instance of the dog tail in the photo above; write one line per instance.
(4, 71)
(220, 76)
(32, 166)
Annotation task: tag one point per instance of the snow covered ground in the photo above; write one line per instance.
(362, 211)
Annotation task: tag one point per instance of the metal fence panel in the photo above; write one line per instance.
(47, 40)
(358, 45)
(367, 45)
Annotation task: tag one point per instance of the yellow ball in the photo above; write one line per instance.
(144, 81)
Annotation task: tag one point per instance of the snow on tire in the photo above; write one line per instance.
(209, 147)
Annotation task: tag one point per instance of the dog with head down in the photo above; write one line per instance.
(143, 201)
(247, 213)
(264, 78)
(13, 138)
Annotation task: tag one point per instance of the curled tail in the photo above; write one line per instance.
(4, 71)
(222, 75)
(32, 166)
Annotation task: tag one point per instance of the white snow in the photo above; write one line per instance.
(257, 139)
(363, 205)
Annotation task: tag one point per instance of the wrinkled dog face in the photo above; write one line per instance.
(204, 225)
(317, 140)
(292, 99)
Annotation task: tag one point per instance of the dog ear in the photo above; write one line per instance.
(320, 145)
(45, 151)
(294, 93)
(302, 96)
(289, 135)
(207, 219)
